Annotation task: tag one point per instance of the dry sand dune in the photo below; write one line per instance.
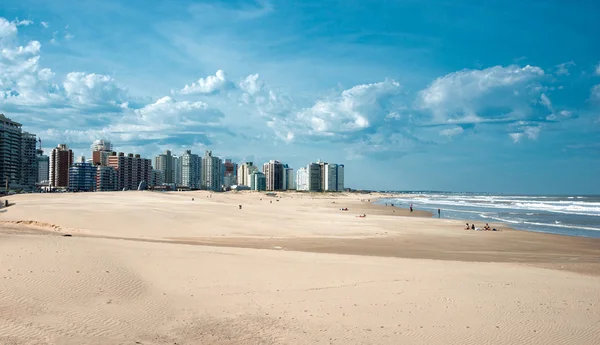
(129, 276)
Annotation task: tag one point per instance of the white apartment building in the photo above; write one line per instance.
(212, 175)
(191, 170)
(302, 179)
(244, 172)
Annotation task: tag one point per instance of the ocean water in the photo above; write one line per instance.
(577, 215)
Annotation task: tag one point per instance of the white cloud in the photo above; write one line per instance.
(595, 92)
(546, 101)
(355, 109)
(69, 36)
(7, 29)
(481, 95)
(563, 68)
(24, 22)
(523, 130)
(92, 89)
(598, 69)
(45, 25)
(251, 84)
(208, 85)
(452, 132)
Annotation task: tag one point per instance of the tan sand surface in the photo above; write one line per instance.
(129, 274)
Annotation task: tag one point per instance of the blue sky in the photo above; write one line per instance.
(498, 96)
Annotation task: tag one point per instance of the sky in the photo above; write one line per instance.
(494, 96)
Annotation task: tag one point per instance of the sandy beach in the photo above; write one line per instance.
(194, 268)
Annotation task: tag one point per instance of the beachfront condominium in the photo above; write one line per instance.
(82, 177)
(177, 174)
(333, 177)
(290, 178)
(164, 163)
(43, 168)
(61, 160)
(243, 173)
(302, 179)
(191, 170)
(212, 175)
(131, 169)
(18, 163)
(101, 149)
(229, 173)
(275, 173)
(106, 179)
(258, 181)
(320, 176)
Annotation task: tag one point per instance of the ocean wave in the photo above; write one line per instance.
(556, 225)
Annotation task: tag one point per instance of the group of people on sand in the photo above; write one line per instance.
(487, 227)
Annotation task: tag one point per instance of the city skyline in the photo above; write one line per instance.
(439, 104)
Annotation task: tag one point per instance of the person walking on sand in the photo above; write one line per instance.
(411, 209)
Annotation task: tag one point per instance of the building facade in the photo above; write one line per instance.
(229, 173)
(302, 179)
(177, 173)
(106, 179)
(61, 160)
(131, 169)
(275, 173)
(191, 170)
(18, 156)
(243, 173)
(164, 164)
(43, 168)
(28, 169)
(258, 181)
(290, 179)
(82, 177)
(212, 176)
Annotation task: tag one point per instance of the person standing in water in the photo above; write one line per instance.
(439, 213)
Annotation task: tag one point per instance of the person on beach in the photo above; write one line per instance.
(486, 227)
(439, 213)
(472, 226)
(467, 227)
(411, 209)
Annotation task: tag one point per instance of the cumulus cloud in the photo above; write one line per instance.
(92, 89)
(472, 96)
(208, 85)
(563, 68)
(45, 25)
(7, 29)
(354, 110)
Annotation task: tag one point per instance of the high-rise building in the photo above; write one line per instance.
(229, 173)
(82, 177)
(313, 171)
(18, 161)
(212, 176)
(275, 174)
(290, 178)
(302, 179)
(243, 173)
(177, 173)
(29, 170)
(321, 176)
(258, 181)
(164, 164)
(101, 145)
(60, 162)
(43, 167)
(106, 179)
(132, 170)
(191, 170)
